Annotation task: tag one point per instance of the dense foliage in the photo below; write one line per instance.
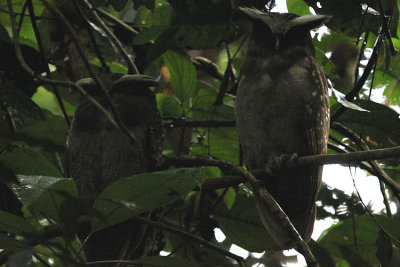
(170, 39)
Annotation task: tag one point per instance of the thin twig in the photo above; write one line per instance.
(23, 63)
(114, 111)
(385, 23)
(43, 58)
(385, 199)
(131, 65)
(360, 56)
(25, 15)
(91, 36)
(116, 122)
(228, 75)
(188, 236)
(372, 215)
(116, 21)
(208, 67)
(378, 171)
(367, 70)
(344, 158)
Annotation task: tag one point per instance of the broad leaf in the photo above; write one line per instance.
(143, 192)
(27, 161)
(339, 238)
(298, 7)
(17, 99)
(242, 226)
(183, 75)
(9, 243)
(379, 127)
(15, 224)
(45, 195)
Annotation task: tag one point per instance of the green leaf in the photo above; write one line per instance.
(162, 14)
(183, 75)
(380, 126)
(47, 100)
(352, 256)
(50, 133)
(161, 44)
(27, 161)
(242, 226)
(339, 238)
(298, 7)
(169, 106)
(384, 250)
(10, 243)
(131, 196)
(148, 35)
(15, 224)
(15, 98)
(45, 195)
(322, 255)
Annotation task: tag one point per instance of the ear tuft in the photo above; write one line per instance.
(310, 22)
(137, 79)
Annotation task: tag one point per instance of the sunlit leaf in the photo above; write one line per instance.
(183, 74)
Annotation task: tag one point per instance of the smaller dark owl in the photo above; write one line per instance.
(99, 154)
(282, 109)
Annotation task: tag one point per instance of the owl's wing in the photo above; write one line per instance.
(316, 137)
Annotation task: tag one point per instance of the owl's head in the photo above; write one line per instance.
(116, 83)
(280, 31)
(134, 84)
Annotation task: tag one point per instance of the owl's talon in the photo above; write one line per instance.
(277, 164)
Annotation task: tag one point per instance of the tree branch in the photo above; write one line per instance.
(345, 158)
(116, 20)
(43, 58)
(208, 67)
(378, 171)
(263, 199)
(53, 231)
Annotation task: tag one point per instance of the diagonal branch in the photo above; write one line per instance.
(131, 65)
(378, 171)
(42, 55)
(262, 197)
(113, 118)
(53, 231)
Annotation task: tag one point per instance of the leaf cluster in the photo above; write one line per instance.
(40, 214)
